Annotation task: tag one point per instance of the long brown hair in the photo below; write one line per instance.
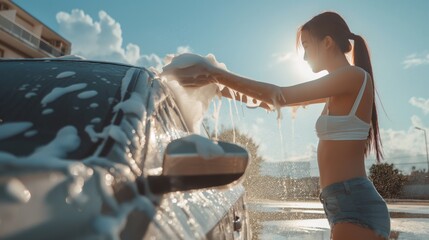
(333, 25)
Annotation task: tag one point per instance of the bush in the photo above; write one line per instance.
(253, 181)
(387, 179)
(418, 176)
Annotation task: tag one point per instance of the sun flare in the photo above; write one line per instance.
(303, 69)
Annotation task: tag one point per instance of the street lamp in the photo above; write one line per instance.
(426, 145)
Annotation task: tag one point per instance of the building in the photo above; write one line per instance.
(23, 36)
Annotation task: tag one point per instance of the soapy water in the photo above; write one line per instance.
(200, 97)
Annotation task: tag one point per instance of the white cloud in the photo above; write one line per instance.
(417, 122)
(405, 147)
(310, 154)
(152, 60)
(414, 60)
(183, 49)
(420, 103)
(399, 142)
(102, 40)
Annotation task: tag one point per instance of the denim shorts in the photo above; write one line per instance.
(356, 201)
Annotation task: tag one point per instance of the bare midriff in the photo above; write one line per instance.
(340, 160)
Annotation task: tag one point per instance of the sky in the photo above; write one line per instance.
(257, 39)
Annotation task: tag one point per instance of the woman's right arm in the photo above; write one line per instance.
(243, 98)
(341, 82)
(265, 92)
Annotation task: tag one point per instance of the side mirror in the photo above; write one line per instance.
(195, 162)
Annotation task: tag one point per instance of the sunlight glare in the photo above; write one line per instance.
(303, 69)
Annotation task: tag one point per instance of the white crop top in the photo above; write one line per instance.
(348, 127)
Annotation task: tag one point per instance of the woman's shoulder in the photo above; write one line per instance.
(357, 76)
(360, 73)
(350, 69)
(349, 78)
(350, 72)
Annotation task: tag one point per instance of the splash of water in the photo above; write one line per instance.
(232, 120)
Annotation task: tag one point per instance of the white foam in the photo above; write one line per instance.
(91, 133)
(47, 111)
(126, 81)
(109, 227)
(106, 224)
(93, 105)
(24, 86)
(60, 91)
(30, 133)
(66, 141)
(17, 191)
(80, 174)
(133, 105)
(235, 103)
(232, 120)
(30, 94)
(96, 120)
(50, 157)
(8, 130)
(198, 98)
(189, 59)
(118, 135)
(100, 170)
(205, 147)
(65, 74)
(113, 131)
(87, 94)
(216, 111)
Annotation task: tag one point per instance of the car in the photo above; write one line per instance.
(100, 150)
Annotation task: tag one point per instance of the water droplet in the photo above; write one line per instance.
(16, 190)
(108, 178)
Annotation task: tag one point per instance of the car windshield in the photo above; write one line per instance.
(43, 101)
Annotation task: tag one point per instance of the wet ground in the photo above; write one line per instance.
(304, 220)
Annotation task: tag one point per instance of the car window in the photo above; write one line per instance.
(172, 110)
(166, 125)
(40, 98)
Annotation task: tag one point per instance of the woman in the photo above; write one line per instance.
(347, 128)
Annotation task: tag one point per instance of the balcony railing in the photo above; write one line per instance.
(28, 37)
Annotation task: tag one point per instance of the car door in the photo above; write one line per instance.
(198, 214)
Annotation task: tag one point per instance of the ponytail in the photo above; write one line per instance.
(362, 59)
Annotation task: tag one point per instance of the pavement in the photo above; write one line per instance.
(306, 219)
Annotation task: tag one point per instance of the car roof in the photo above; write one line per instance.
(71, 58)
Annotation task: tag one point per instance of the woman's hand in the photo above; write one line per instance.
(191, 70)
(193, 76)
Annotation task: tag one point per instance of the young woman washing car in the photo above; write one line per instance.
(347, 127)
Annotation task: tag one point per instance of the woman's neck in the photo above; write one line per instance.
(337, 62)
